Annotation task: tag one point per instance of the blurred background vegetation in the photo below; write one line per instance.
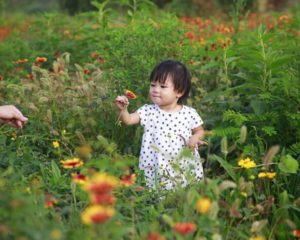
(181, 7)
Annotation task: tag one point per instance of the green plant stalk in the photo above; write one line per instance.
(73, 188)
(228, 228)
(132, 214)
(134, 7)
(227, 80)
(264, 73)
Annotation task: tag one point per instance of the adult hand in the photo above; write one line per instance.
(11, 115)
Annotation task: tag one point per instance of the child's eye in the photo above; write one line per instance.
(163, 86)
(152, 85)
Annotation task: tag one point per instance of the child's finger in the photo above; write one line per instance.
(200, 142)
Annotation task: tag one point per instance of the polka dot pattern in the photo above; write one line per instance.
(165, 136)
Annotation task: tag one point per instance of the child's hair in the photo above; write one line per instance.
(178, 73)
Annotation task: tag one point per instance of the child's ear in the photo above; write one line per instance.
(179, 95)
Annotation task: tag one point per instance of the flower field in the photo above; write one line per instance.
(72, 171)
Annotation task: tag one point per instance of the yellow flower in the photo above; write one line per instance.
(55, 234)
(247, 163)
(97, 214)
(72, 163)
(55, 144)
(101, 183)
(257, 238)
(203, 205)
(269, 175)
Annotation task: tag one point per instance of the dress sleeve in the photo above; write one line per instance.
(196, 120)
(143, 113)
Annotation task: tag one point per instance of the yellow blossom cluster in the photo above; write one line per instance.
(269, 175)
(247, 163)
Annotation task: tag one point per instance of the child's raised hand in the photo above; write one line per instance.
(122, 102)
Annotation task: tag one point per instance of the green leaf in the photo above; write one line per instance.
(288, 164)
(283, 198)
(228, 167)
(185, 153)
(259, 107)
(261, 29)
(167, 219)
(55, 171)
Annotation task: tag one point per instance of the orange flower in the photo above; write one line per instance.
(296, 233)
(102, 199)
(100, 60)
(155, 236)
(21, 61)
(72, 163)
(1, 78)
(130, 94)
(97, 214)
(283, 19)
(128, 180)
(86, 71)
(184, 228)
(94, 55)
(79, 178)
(101, 183)
(41, 60)
(50, 201)
(190, 35)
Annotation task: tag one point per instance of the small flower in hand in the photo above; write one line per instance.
(130, 94)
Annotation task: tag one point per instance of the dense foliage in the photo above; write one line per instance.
(64, 74)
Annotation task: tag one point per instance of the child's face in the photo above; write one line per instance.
(163, 94)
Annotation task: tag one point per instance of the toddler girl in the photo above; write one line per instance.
(168, 126)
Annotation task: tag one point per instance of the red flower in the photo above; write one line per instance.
(101, 183)
(97, 214)
(50, 201)
(296, 233)
(190, 35)
(128, 180)
(79, 178)
(130, 94)
(102, 199)
(41, 60)
(184, 228)
(154, 236)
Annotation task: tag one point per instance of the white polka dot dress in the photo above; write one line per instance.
(165, 136)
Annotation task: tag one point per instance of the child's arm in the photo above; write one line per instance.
(196, 138)
(126, 117)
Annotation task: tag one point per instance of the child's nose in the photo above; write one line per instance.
(155, 89)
